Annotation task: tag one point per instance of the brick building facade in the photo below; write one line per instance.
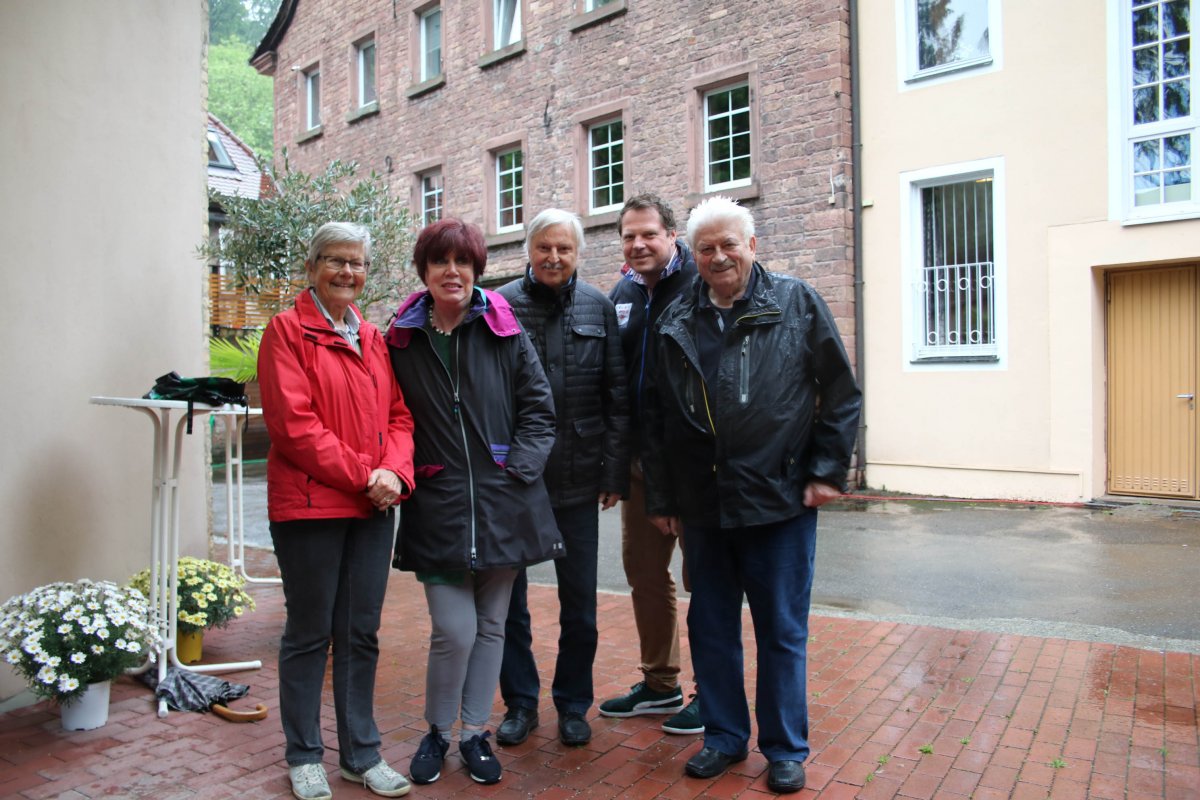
(419, 90)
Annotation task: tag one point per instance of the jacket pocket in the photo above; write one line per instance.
(589, 427)
(589, 346)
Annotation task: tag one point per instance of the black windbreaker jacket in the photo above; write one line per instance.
(784, 409)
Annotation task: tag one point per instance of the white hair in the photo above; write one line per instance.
(548, 219)
(719, 209)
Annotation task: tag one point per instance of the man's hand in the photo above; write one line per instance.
(669, 526)
(608, 500)
(818, 493)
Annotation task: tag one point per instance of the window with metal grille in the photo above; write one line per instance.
(510, 188)
(727, 137)
(606, 173)
(431, 43)
(957, 288)
(431, 196)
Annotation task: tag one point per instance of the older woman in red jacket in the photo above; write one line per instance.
(341, 457)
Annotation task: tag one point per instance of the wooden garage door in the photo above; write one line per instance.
(1152, 368)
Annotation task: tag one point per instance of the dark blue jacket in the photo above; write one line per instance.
(637, 311)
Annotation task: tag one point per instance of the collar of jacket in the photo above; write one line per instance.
(542, 293)
(494, 309)
(760, 307)
(315, 322)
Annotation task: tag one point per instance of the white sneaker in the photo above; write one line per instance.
(381, 779)
(309, 783)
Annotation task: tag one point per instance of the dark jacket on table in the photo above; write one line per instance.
(637, 310)
(483, 431)
(574, 329)
(783, 411)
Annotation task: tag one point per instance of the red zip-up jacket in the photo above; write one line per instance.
(333, 416)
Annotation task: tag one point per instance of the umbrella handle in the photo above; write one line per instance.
(225, 712)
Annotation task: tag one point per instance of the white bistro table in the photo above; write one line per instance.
(164, 528)
(233, 423)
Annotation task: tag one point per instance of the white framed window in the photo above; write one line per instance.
(365, 68)
(953, 250)
(431, 196)
(606, 166)
(312, 99)
(592, 5)
(948, 36)
(510, 190)
(506, 23)
(1158, 125)
(217, 156)
(431, 43)
(727, 137)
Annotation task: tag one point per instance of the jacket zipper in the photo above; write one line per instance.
(744, 370)
(462, 427)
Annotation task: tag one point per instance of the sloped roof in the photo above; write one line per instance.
(263, 58)
(242, 178)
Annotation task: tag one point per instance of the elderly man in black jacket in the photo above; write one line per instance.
(750, 426)
(574, 329)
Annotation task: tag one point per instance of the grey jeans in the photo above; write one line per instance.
(335, 574)
(466, 647)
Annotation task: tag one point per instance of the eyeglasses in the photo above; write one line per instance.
(335, 263)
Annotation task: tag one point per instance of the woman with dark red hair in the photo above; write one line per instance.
(484, 427)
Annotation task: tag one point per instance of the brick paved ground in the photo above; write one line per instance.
(897, 711)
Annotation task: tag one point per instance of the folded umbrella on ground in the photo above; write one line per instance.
(185, 690)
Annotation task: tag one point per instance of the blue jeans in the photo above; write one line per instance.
(576, 571)
(335, 574)
(772, 567)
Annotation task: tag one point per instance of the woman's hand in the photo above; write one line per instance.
(384, 489)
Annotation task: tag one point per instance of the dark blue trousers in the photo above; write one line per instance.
(771, 566)
(576, 571)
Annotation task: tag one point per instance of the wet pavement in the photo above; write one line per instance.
(1123, 574)
(898, 710)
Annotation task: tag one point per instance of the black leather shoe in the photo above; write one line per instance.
(785, 777)
(709, 762)
(573, 729)
(517, 725)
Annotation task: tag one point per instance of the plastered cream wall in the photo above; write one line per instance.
(1032, 427)
(103, 160)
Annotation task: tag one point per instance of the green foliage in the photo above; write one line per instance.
(240, 97)
(264, 242)
(1058, 763)
(926, 748)
(235, 358)
(247, 20)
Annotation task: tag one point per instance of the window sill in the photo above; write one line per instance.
(418, 89)
(503, 54)
(956, 360)
(596, 16)
(943, 70)
(369, 110)
(749, 191)
(599, 220)
(310, 134)
(507, 237)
